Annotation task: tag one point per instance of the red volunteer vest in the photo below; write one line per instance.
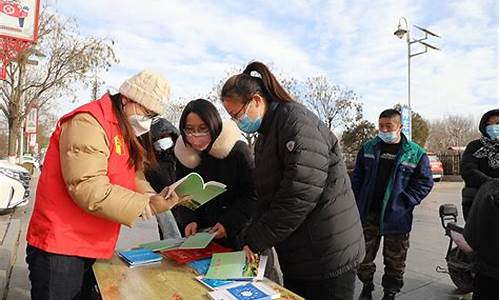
(60, 226)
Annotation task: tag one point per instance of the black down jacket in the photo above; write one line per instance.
(230, 162)
(481, 229)
(477, 170)
(306, 206)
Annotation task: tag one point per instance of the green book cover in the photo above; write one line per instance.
(163, 244)
(233, 266)
(226, 265)
(200, 192)
(199, 240)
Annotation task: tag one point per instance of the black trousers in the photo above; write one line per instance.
(337, 288)
(485, 288)
(61, 277)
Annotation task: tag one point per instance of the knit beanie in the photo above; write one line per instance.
(148, 88)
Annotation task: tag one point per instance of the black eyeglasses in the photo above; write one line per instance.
(234, 117)
(151, 114)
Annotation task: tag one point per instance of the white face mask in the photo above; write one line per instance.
(163, 144)
(140, 124)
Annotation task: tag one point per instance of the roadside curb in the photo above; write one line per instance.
(8, 248)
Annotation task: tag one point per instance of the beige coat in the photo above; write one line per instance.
(84, 151)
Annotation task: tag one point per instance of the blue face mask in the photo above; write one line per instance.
(248, 125)
(492, 131)
(388, 137)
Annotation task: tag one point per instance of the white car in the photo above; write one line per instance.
(31, 160)
(18, 173)
(11, 193)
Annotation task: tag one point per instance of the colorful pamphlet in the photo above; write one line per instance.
(200, 192)
(234, 266)
(139, 257)
(200, 265)
(248, 291)
(215, 284)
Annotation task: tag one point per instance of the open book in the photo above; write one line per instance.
(200, 192)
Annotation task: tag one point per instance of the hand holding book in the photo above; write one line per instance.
(166, 200)
(219, 231)
(193, 185)
(250, 256)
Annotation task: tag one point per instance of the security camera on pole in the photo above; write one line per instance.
(400, 32)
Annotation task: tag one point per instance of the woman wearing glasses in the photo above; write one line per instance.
(306, 206)
(213, 149)
(91, 183)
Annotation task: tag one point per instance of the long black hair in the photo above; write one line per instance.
(208, 113)
(245, 85)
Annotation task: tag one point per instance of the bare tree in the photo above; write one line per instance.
(4, 138)
(95, 87)
(47, 120)
(453, 130)
(174, 110)
(69, 58)
(355, 136)
(338, 107)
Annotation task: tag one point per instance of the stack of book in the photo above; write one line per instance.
(139, 257)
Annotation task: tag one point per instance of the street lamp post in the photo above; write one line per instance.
(24, 60)
(400, 32)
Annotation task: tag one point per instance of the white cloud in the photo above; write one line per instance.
(194, 43)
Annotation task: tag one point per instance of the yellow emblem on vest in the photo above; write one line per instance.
(118, 139)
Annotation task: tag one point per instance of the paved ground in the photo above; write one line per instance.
(427, 250)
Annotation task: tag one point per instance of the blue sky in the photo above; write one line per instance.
(194, 44)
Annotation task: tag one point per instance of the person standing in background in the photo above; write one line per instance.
(480, 159)
(392, 175)
(481, 233)
(160, 175)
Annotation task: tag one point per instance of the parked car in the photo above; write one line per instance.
(31, 161)
(11, 193)
(18, 173)
(436, 167)
(14, 185)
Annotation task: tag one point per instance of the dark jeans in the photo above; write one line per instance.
(485, 288)
(60, 277)
(337, 288)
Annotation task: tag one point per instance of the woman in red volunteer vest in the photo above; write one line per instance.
(92, 182)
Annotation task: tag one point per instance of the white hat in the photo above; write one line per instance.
(148, 88)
